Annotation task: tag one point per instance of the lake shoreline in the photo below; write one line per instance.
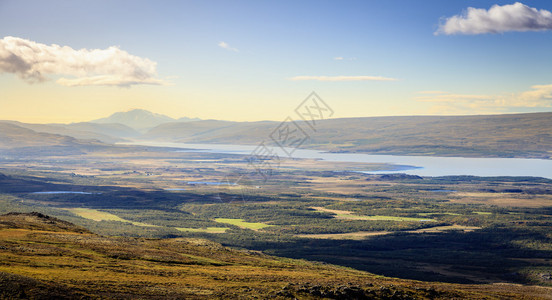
(433, 166)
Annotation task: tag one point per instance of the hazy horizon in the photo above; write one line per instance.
(252, 121)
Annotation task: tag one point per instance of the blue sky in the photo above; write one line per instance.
(236, 60)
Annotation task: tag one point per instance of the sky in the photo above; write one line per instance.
(72, 61)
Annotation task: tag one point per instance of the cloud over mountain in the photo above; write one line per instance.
(498, 19)
(34, 62)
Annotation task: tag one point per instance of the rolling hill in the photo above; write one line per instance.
(13, 136)
(23, 142)
(515, 135)
(106, 133)
(53, 259)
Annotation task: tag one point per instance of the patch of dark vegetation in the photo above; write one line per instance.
(14, 286)
(490, 179)
(37, 221)
(393, 177)
(350, 291)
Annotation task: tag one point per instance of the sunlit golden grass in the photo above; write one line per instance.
(348, 215)
(360, 235)
(96, 215)
(75, 267)
(193, 268)
(242, 223)
(206, 230)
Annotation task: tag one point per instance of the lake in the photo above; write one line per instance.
(209, 183)
(64, 192)
(409, 164)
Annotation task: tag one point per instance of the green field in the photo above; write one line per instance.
(242, 223)
(97, 215)
(439, 213)
(204, 230)
(381, 218)
(392, 218)
(348, 215)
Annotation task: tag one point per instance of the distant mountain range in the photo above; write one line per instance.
(510, 135)
(119, 127)
(140, 119)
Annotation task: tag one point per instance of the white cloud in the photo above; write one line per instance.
(108, 80)
(498, 19)
(539, 92)
(344, 58)
(342, 78)
(540, 96)
(33, 62)
(227, 47)
(448, 97)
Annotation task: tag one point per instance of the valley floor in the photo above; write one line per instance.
(166, 223)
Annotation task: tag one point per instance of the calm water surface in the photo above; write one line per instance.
(414, 165)
(64, 192)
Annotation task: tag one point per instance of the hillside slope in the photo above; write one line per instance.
(516, 135)
(46, 257)
(106, 133)
(16, 141)
(13, 136)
